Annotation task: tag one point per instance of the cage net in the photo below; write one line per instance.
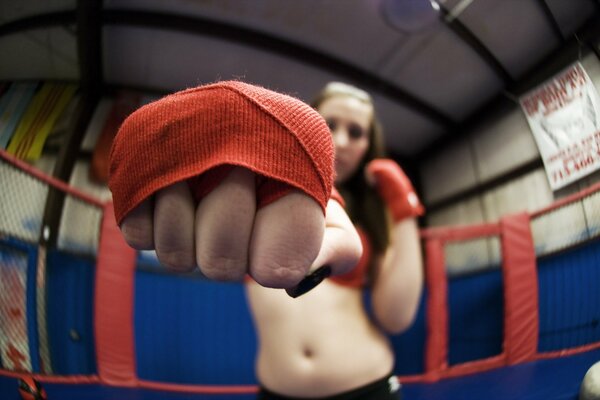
(22, 202)
(471, 256)
(566, 245)
(79, 231)
(13, 323)
(37, 306)
(474, 296)
(573, 223)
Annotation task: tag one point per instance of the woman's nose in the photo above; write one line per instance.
(340, 138)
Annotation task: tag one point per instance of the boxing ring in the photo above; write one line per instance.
(510, 309)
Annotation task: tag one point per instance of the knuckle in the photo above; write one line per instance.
(176, 259)
(279, 273)
(137, 237)
(223, 267)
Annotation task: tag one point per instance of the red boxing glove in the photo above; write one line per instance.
(395, 189)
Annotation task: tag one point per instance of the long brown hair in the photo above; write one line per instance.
(363, 204)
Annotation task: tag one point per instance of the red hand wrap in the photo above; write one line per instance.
(228, 123)
(395, 189)
(267, 190)
(203, 184)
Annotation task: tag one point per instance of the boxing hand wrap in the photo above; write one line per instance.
(395, 189)
(267, 190)
(210, 128)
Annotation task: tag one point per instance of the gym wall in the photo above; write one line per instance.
(498, 146)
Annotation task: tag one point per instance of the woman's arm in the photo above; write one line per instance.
(341, 248)
(398, 280)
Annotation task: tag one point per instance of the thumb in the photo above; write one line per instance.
(340, 250)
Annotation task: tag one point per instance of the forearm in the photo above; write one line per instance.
(398, 282)
(341, 248)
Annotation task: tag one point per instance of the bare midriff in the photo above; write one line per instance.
(319, 344)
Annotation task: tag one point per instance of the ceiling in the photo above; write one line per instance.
(429, 71)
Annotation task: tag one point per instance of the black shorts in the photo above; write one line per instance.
(387, 388)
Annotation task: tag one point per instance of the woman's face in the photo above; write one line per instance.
(349, 120)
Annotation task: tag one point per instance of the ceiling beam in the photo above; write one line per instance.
(540, 72)
(271, 43)
(568, 53)
(245, 36)
(48, 20)
(89, 45)
(470, 39)
(89, 50)
(552, 21)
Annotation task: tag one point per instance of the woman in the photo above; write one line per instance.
(227, 210)
(324, 344)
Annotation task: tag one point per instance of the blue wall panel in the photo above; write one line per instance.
(569, 294)
(190, 330)
(476, 313)
(409, 346)
(194, 331)
(70, 311)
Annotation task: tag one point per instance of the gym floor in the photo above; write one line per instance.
(552, 379)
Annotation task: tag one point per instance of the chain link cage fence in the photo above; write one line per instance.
(566, 239)
(571, 223)
(46, 291)
(475, 298)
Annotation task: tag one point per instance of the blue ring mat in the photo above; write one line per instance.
(552, 379)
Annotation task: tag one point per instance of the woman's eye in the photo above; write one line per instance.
(331, 124)
(355, 132)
